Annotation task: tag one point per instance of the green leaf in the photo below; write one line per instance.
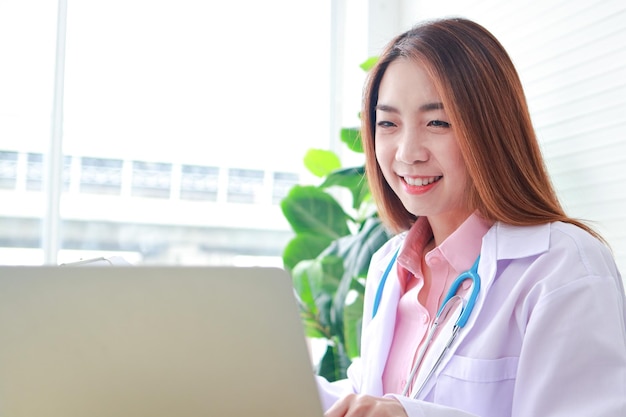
(352, 138)
(315, 282)
(369, 63)
(312, 328)
(304, 246)
(334, 363)
(326, 367)
(324, 285)
(305, 275)
(302, 276)
(309, 209)
(353, 319)
(321, 162)
(332, 271)
(353, 179)
(357, 249)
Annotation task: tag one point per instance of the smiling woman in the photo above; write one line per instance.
(455, 168)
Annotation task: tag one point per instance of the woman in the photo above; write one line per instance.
(455, 168)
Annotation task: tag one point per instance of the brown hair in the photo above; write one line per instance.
(483, 96)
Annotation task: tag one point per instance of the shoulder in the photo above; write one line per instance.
(575, 238)
(577, 245)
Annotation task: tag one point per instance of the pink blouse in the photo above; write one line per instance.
(417, 308)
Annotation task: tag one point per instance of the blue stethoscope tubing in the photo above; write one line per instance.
(467, 308)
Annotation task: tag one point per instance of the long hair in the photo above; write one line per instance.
(483, 97)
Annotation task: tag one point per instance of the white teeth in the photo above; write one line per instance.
(420, 181)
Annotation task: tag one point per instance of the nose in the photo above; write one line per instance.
(411, 148)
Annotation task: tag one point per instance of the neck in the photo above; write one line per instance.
(444, 225)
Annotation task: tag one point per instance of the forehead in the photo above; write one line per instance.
(407, 80)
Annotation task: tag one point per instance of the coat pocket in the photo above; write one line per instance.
(481, 386)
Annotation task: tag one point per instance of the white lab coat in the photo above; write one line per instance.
(547, 337)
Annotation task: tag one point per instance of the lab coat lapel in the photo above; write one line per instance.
(379, 333)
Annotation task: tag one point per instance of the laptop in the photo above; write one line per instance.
(152, 341)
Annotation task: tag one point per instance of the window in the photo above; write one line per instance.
(151, 179)
(101, 176)
(245, 185)
(177, 119)
(199, 182)
(8, 169)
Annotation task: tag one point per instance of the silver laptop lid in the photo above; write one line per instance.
(152, 341)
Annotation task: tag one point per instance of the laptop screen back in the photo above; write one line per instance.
(152, 341)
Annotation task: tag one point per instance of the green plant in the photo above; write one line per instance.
(330, 253)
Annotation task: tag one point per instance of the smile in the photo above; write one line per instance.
(420, 182)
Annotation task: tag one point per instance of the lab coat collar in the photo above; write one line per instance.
(501, 242)
(510, 242)
(507, 242)
(516, 242)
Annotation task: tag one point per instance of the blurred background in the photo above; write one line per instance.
(167, 132)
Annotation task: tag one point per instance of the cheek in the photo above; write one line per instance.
(462, 182)
(384, 154)
(456, 163)
(455, 169)
(462, 178)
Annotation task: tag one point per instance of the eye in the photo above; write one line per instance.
(438, 123)
(385, 123)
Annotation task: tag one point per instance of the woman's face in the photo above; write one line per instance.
(416, 148)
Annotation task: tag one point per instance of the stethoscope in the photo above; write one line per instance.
(450, 301)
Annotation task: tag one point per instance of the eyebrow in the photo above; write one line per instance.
(431, 106)
(424, 107)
